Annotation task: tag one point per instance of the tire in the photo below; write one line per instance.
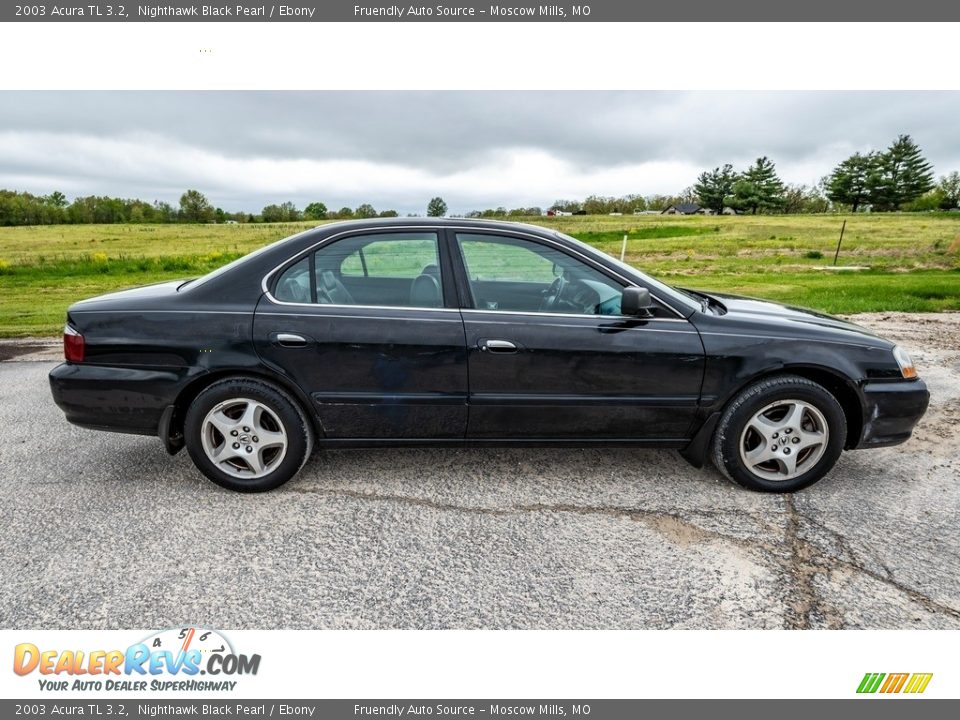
(247, 435)
(780, 434)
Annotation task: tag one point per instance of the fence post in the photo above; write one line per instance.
(837, 254)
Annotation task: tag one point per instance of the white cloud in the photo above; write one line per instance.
(396, 150)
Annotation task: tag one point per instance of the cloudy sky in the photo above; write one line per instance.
(476, 149)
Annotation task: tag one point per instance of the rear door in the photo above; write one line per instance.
(551, 358)
(367, 326)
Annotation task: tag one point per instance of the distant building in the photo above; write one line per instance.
(681, 209)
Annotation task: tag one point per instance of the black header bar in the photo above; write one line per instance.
(486, 11)
(149, 709)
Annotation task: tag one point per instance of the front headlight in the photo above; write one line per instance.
(906, 364)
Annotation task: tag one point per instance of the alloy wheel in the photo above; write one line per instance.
(244, 438)
(784, 440)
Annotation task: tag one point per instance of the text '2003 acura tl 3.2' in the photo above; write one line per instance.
(453, 332)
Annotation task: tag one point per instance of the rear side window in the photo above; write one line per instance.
(375, 270)
(294, 285)
(393, 255)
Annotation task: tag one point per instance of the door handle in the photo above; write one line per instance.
(498, 346)
(290, 340)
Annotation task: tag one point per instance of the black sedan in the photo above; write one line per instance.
(456, 332)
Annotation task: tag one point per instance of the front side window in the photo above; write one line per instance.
(507, 273)
(383, 270)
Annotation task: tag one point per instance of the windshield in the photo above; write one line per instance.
(656, 286)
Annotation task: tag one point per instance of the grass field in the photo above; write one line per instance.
(913, 259)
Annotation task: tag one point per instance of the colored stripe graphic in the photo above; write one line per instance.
(870, 682)
(918, 683)
(894, 683)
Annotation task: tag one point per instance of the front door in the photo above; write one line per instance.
(551, 358)
(366, 326)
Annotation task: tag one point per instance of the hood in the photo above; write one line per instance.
(786, 318)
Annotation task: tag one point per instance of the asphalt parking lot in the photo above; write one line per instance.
(107, 531)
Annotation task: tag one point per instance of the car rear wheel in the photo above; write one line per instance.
(780, 434)
(247, 435)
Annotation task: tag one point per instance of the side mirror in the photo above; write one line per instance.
(636, 301)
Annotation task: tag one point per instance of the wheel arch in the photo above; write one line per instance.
(171, 425)
(835, 382)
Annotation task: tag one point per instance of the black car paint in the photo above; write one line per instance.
(382, 376)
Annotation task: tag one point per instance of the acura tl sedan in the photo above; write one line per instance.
(458, 332)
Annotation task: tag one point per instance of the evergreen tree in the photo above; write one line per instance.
(713, 188)
(851, 181)
(902, 175)
(758, 188)
(437, 207)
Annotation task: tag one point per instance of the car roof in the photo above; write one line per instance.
(436, 222)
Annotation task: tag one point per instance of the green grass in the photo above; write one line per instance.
(920, 291)
(913, 259)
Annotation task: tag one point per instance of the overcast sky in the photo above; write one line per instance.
(476, 149)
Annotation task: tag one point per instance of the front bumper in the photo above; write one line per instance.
(891, 410)
(126, 400)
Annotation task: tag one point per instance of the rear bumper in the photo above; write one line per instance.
(891, 410)
(125, 400)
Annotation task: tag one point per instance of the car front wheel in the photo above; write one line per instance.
(247, 435)
(780, 434)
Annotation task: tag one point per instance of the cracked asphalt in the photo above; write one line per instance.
(107, 531)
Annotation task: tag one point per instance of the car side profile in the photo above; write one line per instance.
(461, 332)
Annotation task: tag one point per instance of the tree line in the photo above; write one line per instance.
(23, 208)
(898, 178)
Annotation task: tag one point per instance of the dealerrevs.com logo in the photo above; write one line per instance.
(173, 659)
(892, 683)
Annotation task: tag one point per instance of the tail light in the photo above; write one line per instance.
(74, 346)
